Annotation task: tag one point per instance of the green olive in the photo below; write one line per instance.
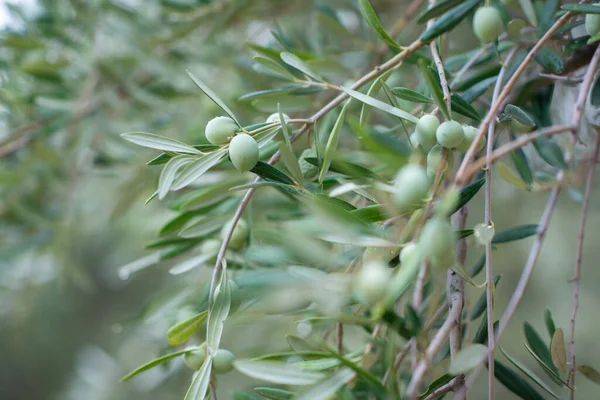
(437, 238)
(444, 261)
(223, 362)
(412, 187)
(470, 134)
(434, 159)
(239, 237)
(518, 127)
(220, 129)
(592, 23)
(487, 24)
(274, 118)
(243, 152)
(409, 253)
(450, 134)
(195, 359)
(371, 282)
(309, 171)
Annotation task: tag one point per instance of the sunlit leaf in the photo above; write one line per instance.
(218, 313)
(197, 168)
(213, 96)
(158, 142)
(380, 105)
(277, 372)
(183, 330)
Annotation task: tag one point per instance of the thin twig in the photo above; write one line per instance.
(440, 70)
(434, 347)
(578, 259)
(340, 337)
(584, 91)
(377, 71)
(451, 386)
(461, 179)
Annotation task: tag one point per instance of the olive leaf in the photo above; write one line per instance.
(329, 386)
(183, 330)
(196, 169)
(158, 361)
(437, 383)
(370, 16)
(380, 105)
(449, 20)
(463, 108)
(438, 9)
(590, 373)
(513, 382)
(294, 62)
(558, 351)
(467, 359)
(332, 142)
(168, 173)
(581, 8)
(529, 11)
(549, 322)
(549, 60)
(530, 374)
(200, 381)
(481, 304)
(467, 193)
(411, 95)
(272, 67)
(218, 313)
(213, 96)
(516, 233)
(509, 176)
(274, 394)
(277, 372)
(431, 79)
(158, 142)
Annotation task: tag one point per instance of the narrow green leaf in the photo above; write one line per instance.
(513, 112)
(294, 62)
(200, 381)
(508, 175)
(143, 262)
(481, 304)
(431, 79)
(522, 164)
(373, 89)
(160, 159)
(449, 20)
(549, 60)
(218, 313)
(371, 17)
(438, 9)
(273, 67)
(467, 359)
(558, 351)
(274, 394)
(203, 225)
(168, 173)
(550, 152)
(213, 96)
(190, 264)
(467, 193)
(270, 173)
(513, 382)
(464, 233)
(550, 370)
(590, 373)
(549, 322)
(546, 15)
(411, 95)
(329, 386)
(516, 233)
(537, 345)
(277, 372)
(481, 335)
(530, 374)
(529, 11)
(158, 142)
(369, 214)
(332, 142)
(463, 108)
(183, 330)
(197, 168)
(462, 272)
(582, 8)
(437, 383)
(158, 361)
(380, 105)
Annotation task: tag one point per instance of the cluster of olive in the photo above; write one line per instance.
(243, 149)
(222, 361)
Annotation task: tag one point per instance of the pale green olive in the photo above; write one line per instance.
(437, 238)
(444, 261)
(450, 134)
(592, 24)
(424, 140)
(434, 159)
(239, 237)
(275, 118)
(195, 359)
(409, 253)
(487, 24)
(223, 362)
(243, 152)
(412, 187)
(370, 285)
(236, 298)
(470, 134)
(309, 171)
(220, 129)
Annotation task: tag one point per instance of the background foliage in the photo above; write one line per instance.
(77, 74)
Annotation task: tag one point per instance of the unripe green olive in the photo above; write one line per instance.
(413, 185)
(444, 261)
(195, 359)
(409, 253)
(470, 134)
(450, 134)
(243, 152)
(223, 361)
(414, 141)
(275, 118)
(371, 282)
(309, 170)
(428, 124)
(210, 248)
(592, 24)
(220, 129)
(434, 159)
(239, 237)
(424, 140)
(518, 127)
(437, 238)
(487, 24)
